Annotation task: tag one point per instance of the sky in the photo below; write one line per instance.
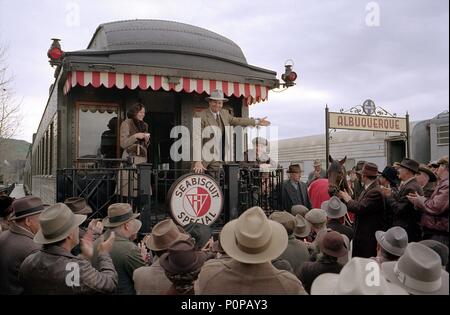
(394, 52)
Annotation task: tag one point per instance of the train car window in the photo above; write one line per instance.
(442, 135)
(97, 130)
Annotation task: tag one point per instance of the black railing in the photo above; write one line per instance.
(146, 189)
(7, 190)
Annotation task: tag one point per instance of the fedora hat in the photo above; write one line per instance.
(181, 257)
(317, 163)
(163, 234)
(302, 227)
(440, 248)
(394, 240)
(424, 169)
(299, 209)
(252, 238)
(359, 166)
(118, 214)
(334, 208)
(216, 95)
(352, 280)
(294, 168)
(57, 222)
(285, 219)
(316, 217)
(443, 160)
(26, 206)
(410, 164)
(332, 243)
(369, 169)
(391, 174)
(78, 205)
(418, 271)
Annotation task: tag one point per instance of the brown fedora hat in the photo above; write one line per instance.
(181, 257)
(424, 169)
(26, 206)
(78, 205)
(164, 234)
(118, 214)
(332, 243)
(294, 168)
(57, 222)
(253, 238)
(410, 164)
(370, 169)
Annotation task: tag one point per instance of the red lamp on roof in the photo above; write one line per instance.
(55, 53)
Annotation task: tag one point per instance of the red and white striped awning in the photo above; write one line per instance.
(253, 93)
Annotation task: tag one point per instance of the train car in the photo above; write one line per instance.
(169, 67)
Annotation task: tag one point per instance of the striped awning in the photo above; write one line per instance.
(253, 93)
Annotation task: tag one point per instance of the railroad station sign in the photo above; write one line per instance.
(366, 122)
(195, 198)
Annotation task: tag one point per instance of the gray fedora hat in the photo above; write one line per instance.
(418, 271)
(27, 206)
(302, 227)
(216, 95)
(299, 209)
(440, 248)
(118, 214)
(394, 240)
(57, 222)
(334, 208)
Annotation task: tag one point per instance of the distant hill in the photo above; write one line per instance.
(12, 149)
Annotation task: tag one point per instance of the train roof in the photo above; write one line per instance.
(166, 48)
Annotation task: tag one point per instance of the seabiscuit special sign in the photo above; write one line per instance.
(195, 198)
(370, 123)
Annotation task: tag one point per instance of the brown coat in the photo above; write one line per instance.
(207, 119)
(435, 213)
(405, 215)
(369, 212)
(232, 277)
(46, 272)
(15, 245)
(129, 141)
(151, 280)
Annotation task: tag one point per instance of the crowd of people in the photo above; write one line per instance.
(398, 235)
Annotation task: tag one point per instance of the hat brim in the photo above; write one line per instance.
(408, 168)
(85, 210)
(277, 245)
(27, 215)
(216, 99)
(41, 239)
(386, 246)
(107, 223)
(150, 243)
(430, 174)
(306, 232)
(387, 269)
(340, 214)
(197, 264)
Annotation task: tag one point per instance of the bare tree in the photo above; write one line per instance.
(9, 107)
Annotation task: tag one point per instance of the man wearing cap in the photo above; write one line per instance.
(216, 116)
(391, 244)
(336, 210)
(125, 254)
(296, 252)
(294, 191)
(258, 155)
(54, 270)
(357, 184)
(17, 242)
(317, 173)
(404, 214)
(435, 209)
(152, 280)
(252, 241)
(369, 212)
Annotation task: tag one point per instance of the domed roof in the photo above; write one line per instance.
(161, 35)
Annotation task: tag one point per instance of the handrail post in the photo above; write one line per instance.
(232, 191)
(144, 171)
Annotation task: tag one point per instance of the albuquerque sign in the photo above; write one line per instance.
(369, 123)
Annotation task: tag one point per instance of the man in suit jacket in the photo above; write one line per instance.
(405, 215)
(369, 212)
(217, 117)
(294, 191)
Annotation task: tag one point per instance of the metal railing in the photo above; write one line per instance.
(146, 189)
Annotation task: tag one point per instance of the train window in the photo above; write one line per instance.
(97, 130)
(442, 135)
